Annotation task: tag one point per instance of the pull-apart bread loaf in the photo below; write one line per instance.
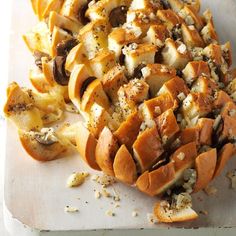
(153, 84)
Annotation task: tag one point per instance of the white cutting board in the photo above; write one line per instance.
(36, 193)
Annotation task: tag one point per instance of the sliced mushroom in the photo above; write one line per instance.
(59, 72)
(65, 47)
(85, 85)
(117, 16)
(81, 14)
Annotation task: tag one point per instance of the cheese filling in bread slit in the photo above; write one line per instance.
(153, 84)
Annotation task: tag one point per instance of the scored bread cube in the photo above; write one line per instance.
(189, 135)
(191, 37)
(118, 38)
(147, 149)
(220, 99)
(206, 130)
(113, 80)
(227, 52)
(157, 34)
(196, 105)
(175, 54)
(155, 75)
(167, 126)
(156, 106)
(214, 52)
(169, 18)
(102, 63)
(137, 54)
(176, 88)
(195, 69)
(94, 37)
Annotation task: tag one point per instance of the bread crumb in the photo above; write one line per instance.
(151, 218)
(105, 193)
(71, 209)
(182, 48)
(203, 212)
(181, 96)
(232, 176)
(134, 213)
(210, 190)
(110, 213)
(181, 156)
(104, 180)
(117, 205)
(97, 194)
(76, 179)
(116, 198)
(157, 110)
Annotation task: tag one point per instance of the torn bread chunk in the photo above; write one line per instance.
(167, 126)
(205, 165)
(106, 149)
(118, 38)
(156, 75)
(94, 37)
(157, 34)
(147, 149)
(124, 166)
(86, 145)
(102, 63)
(156, 106)
(113, 80)
(176, 88)
(129, 130)
(175, 54)
(195, 69)
(191, 36)
(137, 54)
(169, 18)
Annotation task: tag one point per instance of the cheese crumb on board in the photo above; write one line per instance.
(151, 218)
(232, 176)
(210, 190)
(76, 179)
(110, 213)
(71, 209)
(134, 213)
(97, 194)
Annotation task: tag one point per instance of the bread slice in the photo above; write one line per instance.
(164, 214)
(124, 166)
(206, 131)
(189, 135)
(128, 130)
(86, 146)
(147, 149)
(223, 157)
(47, 151)
(52, 5)
(156, 75)
(221, 98)
(106, 149)
(205, 165)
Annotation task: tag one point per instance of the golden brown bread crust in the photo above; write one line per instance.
(189, 135)
(86, 145)
(124, 166)
(106, 149)
(147, 148)
(221, 99)
(206, 130)
(205, 165)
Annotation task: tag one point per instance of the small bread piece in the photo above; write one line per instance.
(38, 39)
(106, 149)
(205, 165)
(156, 182)
(214, 52)
(136, 90)
(229, 109)
(204, 85)
(58, 35)
(191, 37)
(145, 4)
(228, 131)
(196, 105)
(41, 151)
(167, 126)
(52, 5)
(169, 18)
(189, 135)
(113, 80)
(128, 130)
(157, 34)
(195, 69)
(191, 17)
(184, 157)
(224, 156)
(176, 88)
(166, 215)
(94, 37)
(102, 63)
(75, 56)
(55, 19)
(118, 38)
(94, 93)
(124, 166)
(206, 130)
(147, 148)
(221, 99)
(154, 107)
(175, 54)
(86, 145)
(136, 54)
(156, 75)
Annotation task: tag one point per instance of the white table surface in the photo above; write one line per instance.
(5, 32)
